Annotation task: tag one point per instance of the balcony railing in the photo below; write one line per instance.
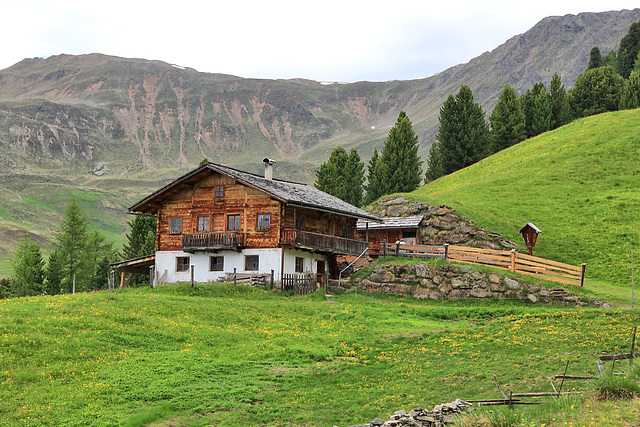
(323, 242)
(212, 241)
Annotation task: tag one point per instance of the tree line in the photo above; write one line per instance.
(80, 258)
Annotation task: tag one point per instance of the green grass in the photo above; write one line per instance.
(243, 356)
(579, 184)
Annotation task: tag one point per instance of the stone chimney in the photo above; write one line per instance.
(268, 168)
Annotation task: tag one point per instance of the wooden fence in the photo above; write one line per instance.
(508, 260)
(301, 284)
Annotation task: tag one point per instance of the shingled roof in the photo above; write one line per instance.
(396, 222)
(290, 193)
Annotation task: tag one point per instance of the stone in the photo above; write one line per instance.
(100, 169)
(400, 412)
(512, 284)
(459, 284)
(534, 288)
(494, 278)
(532, 298)
(444, 210)
(423, 271)
(477, 274)
(437, 280)
(479, 293)
(605, 305)
(382, 276)
(421, 293)
(498, 287)
(376, 422)
(397, 210)
(426, 283)
(445, 288)
(394, 201)
(544, 293)
(457, 294)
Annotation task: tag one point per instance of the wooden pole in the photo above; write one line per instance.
(563, 376)
(499, 388)
(584, 267)
(192, 269)
(74, 283)
(234, 276)
(446, 251)
(512, 267)
(384, 247)
(271, 281)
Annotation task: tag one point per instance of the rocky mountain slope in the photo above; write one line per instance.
(110, 130)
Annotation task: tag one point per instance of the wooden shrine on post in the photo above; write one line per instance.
(530, 234)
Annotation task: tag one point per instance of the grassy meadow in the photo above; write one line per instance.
(580, 184)
(223, 355)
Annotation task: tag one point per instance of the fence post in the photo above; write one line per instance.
(397, 247)
(513, 261)
(446, 251)
(234, 276)
(384, 247)
(192, 269)
(584, 267)
(271, 281)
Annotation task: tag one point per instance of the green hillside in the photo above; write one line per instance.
(237, 356)
(579, 184)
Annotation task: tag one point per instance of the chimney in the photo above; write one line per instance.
(268, 168)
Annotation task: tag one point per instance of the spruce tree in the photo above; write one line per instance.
(628, 51)
(353, 177)
(401, 164)
(141, 239)
(374, 179)
(559, 103)
(595, 59)
(630, 97)
(507, 121)
(28, 267)
(434, 163)
(541, 117)
(54, 274)
(463, 134)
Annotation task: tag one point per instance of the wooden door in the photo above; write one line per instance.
(321, 273)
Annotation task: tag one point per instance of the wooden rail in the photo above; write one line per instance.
(192, 242)
(301, 284)
(508, 260)
(323, 242)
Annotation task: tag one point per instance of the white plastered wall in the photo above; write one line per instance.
(270, 259)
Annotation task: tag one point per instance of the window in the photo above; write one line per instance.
(219, 192)
(346, 231)
(299, 223)
(251, 262)
(233, 222)
(216, 263)
(203, 223)
(264, 222)
(299, 265)
(182, 263)
(175, 225)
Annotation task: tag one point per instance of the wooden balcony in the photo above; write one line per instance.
(192, 242)
(322, 242)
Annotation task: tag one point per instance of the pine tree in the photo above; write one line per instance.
(595, 59)
(628, 51)
(630, 97)
(541, 118)
(5, 288)
(596, 91)
(559, 103)
(401, 164)
(28, 267)
(463, 134)
(374, 179)
(507, 121)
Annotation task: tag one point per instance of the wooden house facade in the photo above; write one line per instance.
(390, 230)
(218, 219)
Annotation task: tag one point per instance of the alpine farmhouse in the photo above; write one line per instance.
(217, 220)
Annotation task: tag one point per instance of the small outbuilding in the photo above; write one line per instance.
(403, 228)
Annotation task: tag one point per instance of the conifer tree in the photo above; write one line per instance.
(141, 239)
(628, 51)
(596, 91)
(630, 97)
(434, 163)
(559, 103)
(374, 179)
(535, 109)
(353, 178)
(507, 121)
(54, 274)
(541, 117)
(342, 176)
(28, 267)
(72, 241)
(595, 58)
(401, 164)
(463, 134)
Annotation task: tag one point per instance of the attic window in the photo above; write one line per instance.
(219, 192)
(264, 222)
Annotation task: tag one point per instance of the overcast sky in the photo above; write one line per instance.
(327, 40)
